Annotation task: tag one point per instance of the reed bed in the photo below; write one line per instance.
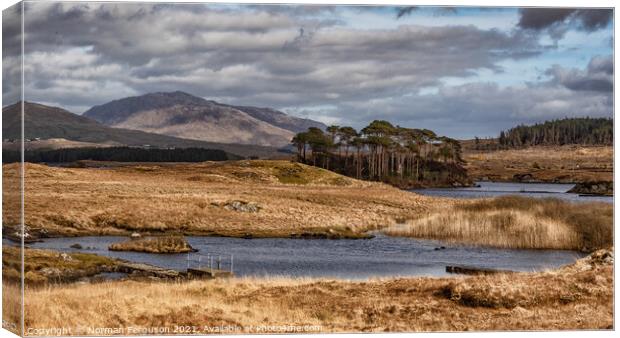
(517, 222)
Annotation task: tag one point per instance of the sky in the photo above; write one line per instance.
(460, 71)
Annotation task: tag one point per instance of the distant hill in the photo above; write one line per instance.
(584, 131)
(47, 122)
(183, 115)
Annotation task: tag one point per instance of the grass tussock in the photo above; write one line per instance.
(159, 244)
(575, 297)
(517, 222)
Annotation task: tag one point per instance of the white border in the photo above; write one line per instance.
(470, 3)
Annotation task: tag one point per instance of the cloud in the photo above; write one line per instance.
(253, 56)
(484, 108)
(304, 59)
(597, 77)
(404, 11)
(558, 20)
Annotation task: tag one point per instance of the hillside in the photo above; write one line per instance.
(557, 164)
(230, 198)
(47, 122)
(583, 131)
(183, 115)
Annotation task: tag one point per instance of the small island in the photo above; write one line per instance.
(159, 244)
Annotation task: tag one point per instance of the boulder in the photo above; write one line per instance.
(594, 188)
(241, 206)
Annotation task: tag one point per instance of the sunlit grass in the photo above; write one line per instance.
(517, 222)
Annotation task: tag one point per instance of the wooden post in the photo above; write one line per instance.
(219, 261)
(231, 263)
(188, 260)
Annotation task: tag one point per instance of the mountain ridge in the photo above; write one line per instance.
(48, 122)
(184, 115)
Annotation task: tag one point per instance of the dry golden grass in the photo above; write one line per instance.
(568, 163)
(517, 222)
(576, 297)
(159, 244)
(191, 199)
(11, 306)
(43, 266)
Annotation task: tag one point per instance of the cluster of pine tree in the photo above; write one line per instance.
(585, 131)
(384, 152)
(118, 154)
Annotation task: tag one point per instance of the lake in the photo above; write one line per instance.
(382, 256)
(494, 189)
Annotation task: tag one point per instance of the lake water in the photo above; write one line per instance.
(494, 189)
(381, 256)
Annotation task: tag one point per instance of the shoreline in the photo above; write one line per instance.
(577, 296)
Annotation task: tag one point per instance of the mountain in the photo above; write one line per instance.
(45, 122)
(187, 116)
(280, 119)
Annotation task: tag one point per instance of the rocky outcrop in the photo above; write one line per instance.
(593, 188)
(242, 206)
(146, 270)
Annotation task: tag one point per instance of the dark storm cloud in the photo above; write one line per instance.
(558, 18)
(437, 11)
(404, 11)
(597, 77)
(11, 52)
(539, 18)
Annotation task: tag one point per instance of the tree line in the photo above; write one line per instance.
(383, 152)
(585, 131)
(118, 154)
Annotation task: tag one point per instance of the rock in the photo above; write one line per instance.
(523, 177)
(140, 269)
(594, 188)
(76, 246)
(600, 257)
(66, 257)
(522, 311)
(51, 272)
(241, 206)
(136, 235)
